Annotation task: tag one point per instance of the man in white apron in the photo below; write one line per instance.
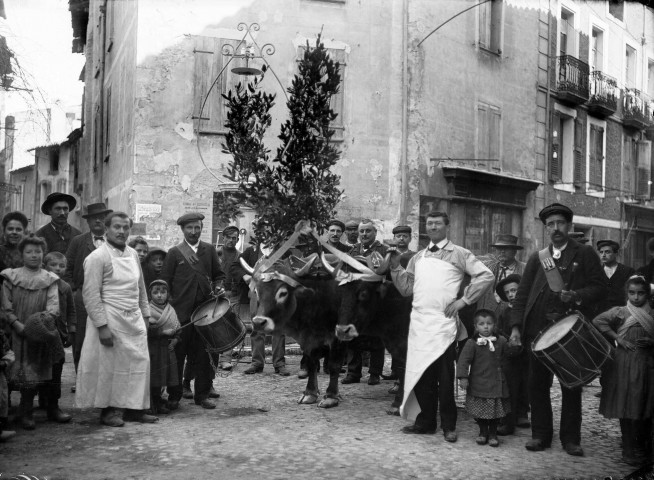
(114, 368)
(434, 276)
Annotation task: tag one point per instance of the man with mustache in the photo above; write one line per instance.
(335, 230)
(537, 306)
(351, 233)
(192, 270)
(114, 368)
(58, 233)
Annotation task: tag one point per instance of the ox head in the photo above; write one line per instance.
(276, 292)
(360, 294)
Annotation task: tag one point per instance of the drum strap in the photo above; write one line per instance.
(552, 274)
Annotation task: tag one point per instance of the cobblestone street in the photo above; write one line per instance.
(259, 431)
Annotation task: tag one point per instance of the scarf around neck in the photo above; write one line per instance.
(163, 317)
(639, 315)
(481, 341)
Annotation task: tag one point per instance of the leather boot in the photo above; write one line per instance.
(26, 410)
(55, 414)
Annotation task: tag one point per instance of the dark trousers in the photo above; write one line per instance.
(258, 341)
(80, 312)
(542, 423)
(193, 349)
(355, 359)
(437, 385)
(50, 390)
(517, 375)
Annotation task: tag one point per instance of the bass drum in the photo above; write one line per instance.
(218, 325)
(573, 350)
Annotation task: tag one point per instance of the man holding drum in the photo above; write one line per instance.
(193, 272)
(564, 276)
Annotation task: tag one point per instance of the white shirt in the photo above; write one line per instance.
(610, 270)
(193, 247)
(440, 244)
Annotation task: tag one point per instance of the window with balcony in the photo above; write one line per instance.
(489, 136)
(644, 169)
(630, 62)
(597, 49)
(650, 78)
(490, 26)
(568, 34)
(596, 156)
(566, 158)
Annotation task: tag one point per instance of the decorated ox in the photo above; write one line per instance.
(375, 308)
(304, 306)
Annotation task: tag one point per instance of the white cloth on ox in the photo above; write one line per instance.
(117, 376)
(436, 285)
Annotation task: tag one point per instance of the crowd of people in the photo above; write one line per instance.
(124, 308)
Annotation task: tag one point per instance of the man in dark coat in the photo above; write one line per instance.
(575, 273)
(335, 229)
(80, 247)
(228, 255)
(616, 273)
(251, 256)
(58, 233)
(193, 272)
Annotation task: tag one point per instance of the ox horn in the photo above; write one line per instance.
(247, 267)
(383, 267)
(301, 272)
(327, 265)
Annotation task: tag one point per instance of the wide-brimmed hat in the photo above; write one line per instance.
(499, 288)
(96, 209)
(504, 240)
(554, 209)
(58, 197)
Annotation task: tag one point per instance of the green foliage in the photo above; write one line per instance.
(297, 183)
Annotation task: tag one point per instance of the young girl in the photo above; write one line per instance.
(30, 298)
(163, 335)
(627, 381)
(480, 373)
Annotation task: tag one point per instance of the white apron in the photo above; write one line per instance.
(117, 376)
(436, 285)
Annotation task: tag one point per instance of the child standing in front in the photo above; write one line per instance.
(163, 335)
(480, 373)
(627, 383)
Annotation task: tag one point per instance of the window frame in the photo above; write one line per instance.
(567, 181)
(591, 121)
(492, 43)
(481, 156)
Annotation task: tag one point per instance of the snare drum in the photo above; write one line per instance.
(573, 350)
(218, 325)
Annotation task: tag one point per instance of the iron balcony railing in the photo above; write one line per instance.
(573, 76)
(638, 108)
(604, 90)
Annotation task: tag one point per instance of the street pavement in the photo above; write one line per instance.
(258, 431)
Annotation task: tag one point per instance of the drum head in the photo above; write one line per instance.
(555, 332)
(210, 311)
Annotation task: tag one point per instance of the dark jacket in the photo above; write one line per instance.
(486, 377)
(251, 255)
(647, 271)
(188, 288)
(67, 319)
(80, 247)
(55, 241)
(589, 282)
(615, 295)
(376, 246)
(340, 246)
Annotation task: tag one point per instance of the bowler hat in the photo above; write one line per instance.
(96, 209)
(338, 223)
(507, 241)
(189, 217)
(499, 288)
(608, 243)
(58, 197)
(555, 208)
(402, 229)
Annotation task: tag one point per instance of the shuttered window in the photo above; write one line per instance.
(644, 169)
(577, 154)
(596, 158)
(209, 61)
(490, 26)
(489, 126)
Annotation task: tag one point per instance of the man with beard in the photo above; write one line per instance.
(335, 230)
(114, 368)
(192, 270)
(351, 233)
(562, 276)
(58, 233)
(81, 247)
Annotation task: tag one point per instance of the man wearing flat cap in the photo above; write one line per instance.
(565, 275)
(335, 229)
(506, 247)
(351, 233)
(616, 273)
(58, 233)
(192, 270)
(80, 247)
(228, 256)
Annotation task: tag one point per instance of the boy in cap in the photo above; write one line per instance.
(573, 279)
(616, 273)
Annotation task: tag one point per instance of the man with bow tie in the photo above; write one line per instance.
(563, 276)
(434, 276)
(80, 247)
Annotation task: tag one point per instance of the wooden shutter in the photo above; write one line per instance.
(577, 154)
(555, 155)
(482, 133)
(485, 11)
(596, 157)
(494, 136)
(209, 62)
(644, 169)
(337, 102)
(495, 25)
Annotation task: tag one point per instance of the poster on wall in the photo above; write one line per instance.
(141, 212)
(205, 207)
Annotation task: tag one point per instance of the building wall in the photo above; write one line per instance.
(24, 201)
